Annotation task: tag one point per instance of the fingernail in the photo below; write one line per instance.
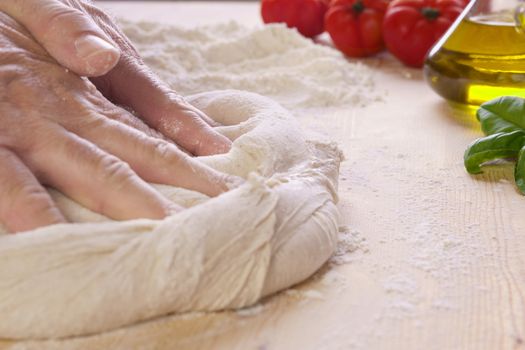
(97, 52)
(91, 45)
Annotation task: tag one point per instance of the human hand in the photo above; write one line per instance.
(57, 129)
(84, 39)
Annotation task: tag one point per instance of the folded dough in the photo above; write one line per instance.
(227, 252)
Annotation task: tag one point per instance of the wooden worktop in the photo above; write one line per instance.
(438, 259)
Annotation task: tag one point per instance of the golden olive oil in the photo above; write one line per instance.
(483, 57)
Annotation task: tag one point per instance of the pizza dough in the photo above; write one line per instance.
(227, 252)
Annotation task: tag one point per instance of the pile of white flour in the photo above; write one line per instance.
(273, 61)
(227, 252)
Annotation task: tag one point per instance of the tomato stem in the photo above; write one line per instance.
(430, 13)
(358, 7)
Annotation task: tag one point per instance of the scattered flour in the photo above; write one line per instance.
(272, 61)
(400, 284)
(349, 241)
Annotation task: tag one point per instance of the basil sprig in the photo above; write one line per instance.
(503, 121)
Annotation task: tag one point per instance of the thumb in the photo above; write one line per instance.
(69, 35)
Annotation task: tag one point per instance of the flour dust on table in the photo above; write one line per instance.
(273, 61)
(272, 232)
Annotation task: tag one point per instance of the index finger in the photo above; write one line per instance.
(133, 84)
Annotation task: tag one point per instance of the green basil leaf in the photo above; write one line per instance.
(503, 114)
(497, 146)
(519, 171)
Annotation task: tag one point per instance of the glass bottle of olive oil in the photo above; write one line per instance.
(482, 56)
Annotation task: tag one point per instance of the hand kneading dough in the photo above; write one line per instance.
(226, 252)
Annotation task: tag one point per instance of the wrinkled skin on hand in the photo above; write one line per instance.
(84, 39)
(57, 129)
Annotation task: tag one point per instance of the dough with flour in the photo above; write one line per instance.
(226, 252)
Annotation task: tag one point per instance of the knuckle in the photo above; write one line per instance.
(87, 121)
(161, 149)
(20, 58)
(22, 132)
(58, 14)
(10, 29)
(115, 176)
(115, 171)
(164, 152)
(13, 55)
(16, 87)
(97, 13)
(106, 23)
(25, 198)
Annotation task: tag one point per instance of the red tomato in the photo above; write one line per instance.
(305, 15)
(412, 27)
(355, 26)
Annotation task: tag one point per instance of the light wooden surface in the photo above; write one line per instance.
(442, 260)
